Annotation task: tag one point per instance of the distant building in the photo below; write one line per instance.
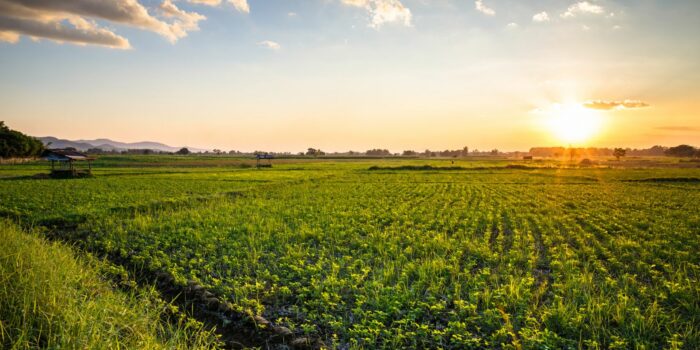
(264, 160)
(63, 162)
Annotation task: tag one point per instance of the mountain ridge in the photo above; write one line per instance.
(109, 145)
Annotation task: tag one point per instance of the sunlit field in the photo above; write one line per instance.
(374, 253)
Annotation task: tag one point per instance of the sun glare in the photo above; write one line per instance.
(574, 123)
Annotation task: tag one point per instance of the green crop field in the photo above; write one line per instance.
(393, 254)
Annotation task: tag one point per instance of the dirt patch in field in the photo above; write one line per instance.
(493, 237)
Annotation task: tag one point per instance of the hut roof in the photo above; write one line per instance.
(64, 155)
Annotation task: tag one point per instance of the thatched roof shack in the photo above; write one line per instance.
(63, 162)
(260, 160)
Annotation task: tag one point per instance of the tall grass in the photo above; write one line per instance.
(51, 298)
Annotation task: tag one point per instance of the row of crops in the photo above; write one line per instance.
(389, 259)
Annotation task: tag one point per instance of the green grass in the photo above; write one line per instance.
(50, 298)
(475, 254)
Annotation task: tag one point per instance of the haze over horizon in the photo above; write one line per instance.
(354, 74)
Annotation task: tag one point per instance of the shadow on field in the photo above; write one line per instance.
(450, 168)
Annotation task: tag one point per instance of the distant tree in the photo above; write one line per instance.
(656, 151)
(217, 151)
(465, 151)
(95, 150)
(378, 152)
(619, 152)
(681, 151)
(183, 151)
(409, 153)
(494, 152)
(314, 152)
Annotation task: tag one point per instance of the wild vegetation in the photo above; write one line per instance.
(50, 298)
(488, 254)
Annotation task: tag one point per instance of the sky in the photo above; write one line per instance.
(285, 75)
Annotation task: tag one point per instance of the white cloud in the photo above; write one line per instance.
(183, 21)
(268, 44)
(479, 4)
(240, 5)
(512, 25)
(582, 7)
(541, 17)
(73, 21)
(383, 11)
(292, 14)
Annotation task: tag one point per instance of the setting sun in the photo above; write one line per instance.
(573, 123)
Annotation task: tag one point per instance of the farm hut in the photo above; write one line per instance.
(263, 160)
(63, 163)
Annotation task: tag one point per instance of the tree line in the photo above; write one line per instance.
(14, 144)
(657, 151)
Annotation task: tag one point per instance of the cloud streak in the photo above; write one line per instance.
(383, 11)
(75, 21)
(582, 7)
(268, 44)
(678, 128)
(79, 31)
(615, 105)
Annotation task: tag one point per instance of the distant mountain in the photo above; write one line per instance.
(53, 142)
(108, 145)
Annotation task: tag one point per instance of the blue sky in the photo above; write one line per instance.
(353, 74)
